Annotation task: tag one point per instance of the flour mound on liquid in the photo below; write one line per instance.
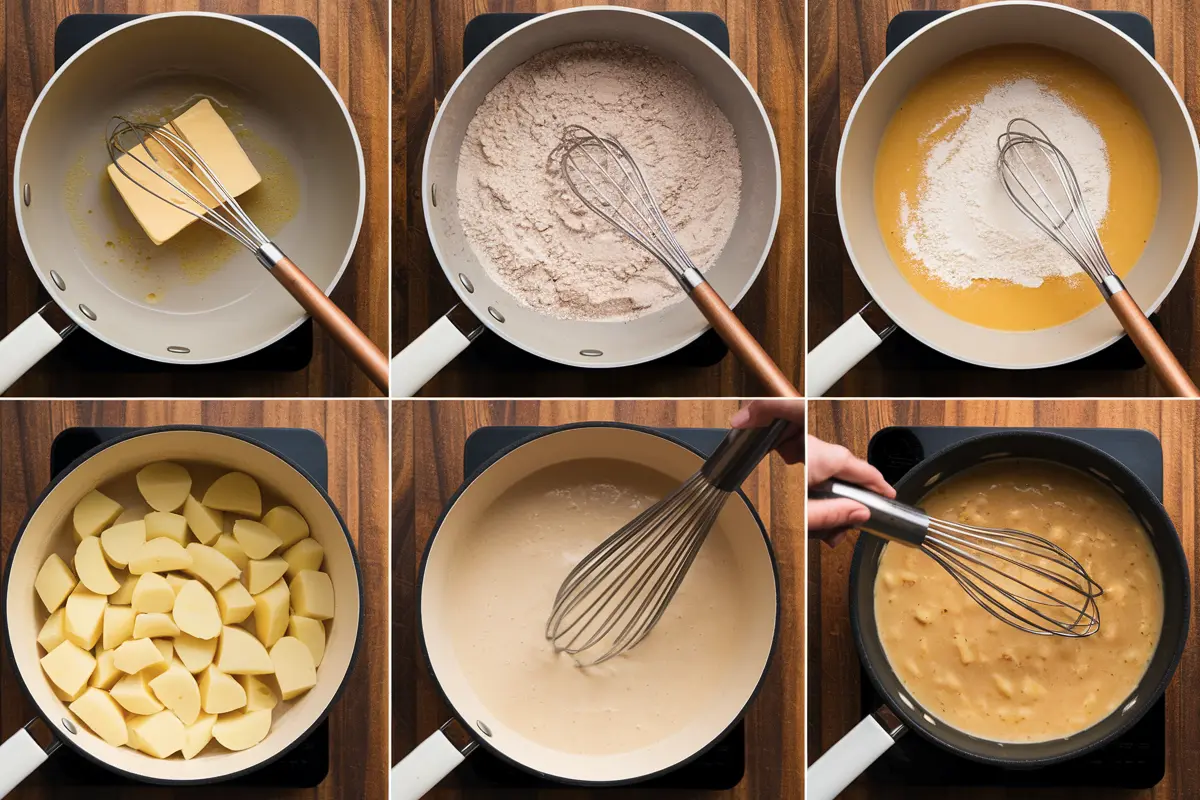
(963, 227)
(530, 232)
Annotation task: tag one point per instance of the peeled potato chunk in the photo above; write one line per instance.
(153, 594)
(287, 524)
(92, 568)
(95, 512)
(124, 595)
(212, 566)
(69, 667)
(53, 632)
(136, 655)
(154, 625)
(271, 613)
(134, 695)
(312, 595)
(118, 626)
(102, 715)
(176, 582)
(240, 731)
(196, 611)
(159, 555)
(106, 673)
(164, 484)
(196, 654)
(234, 603)
(236, 492)
(312, 633)
(259, 695)
(167, 525)
(121, 541)
(177, 690)
(84, 619)
(206, 523)
(227, 546)
(304, 554)
(54, 582)
(261, 574)
(167, 648)
(294, 668)
(239, 653)
(256, 539)
(159, 735)
(197, 735)
(219, 692)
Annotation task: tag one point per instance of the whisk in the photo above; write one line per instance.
(602, 174)
(1041, 183)
(615, 596)
(218, 208)
(1021, 579)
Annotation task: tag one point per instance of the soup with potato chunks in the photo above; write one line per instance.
(183, 609)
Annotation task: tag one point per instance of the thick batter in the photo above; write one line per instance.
(504, 580)
(989, 679)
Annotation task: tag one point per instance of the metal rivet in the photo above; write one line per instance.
(466, 282)
(496, 314)
(178, 348)
(69, 726)
(58, 281)
(87, 312)
(433, 194)
(484, 728)
(27, 194)
(591, 353)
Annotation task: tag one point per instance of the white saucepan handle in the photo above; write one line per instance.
(838, 354)
(847, 759)
(20, 755)
(30, 341)
(426, 355)
(423, 768)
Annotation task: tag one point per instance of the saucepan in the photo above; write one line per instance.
(896, 302)
(475, 725)
(45, 531)
(486, 305)
(901, 712)
(183, 306)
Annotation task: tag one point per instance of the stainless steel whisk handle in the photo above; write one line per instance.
(890, 519)
(740, 452)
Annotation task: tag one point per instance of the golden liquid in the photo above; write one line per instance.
(1132, 195)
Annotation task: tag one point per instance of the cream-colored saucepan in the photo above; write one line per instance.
(476, 725)
(899, 304)
(47, 529)
(485, 304)
(210, 301)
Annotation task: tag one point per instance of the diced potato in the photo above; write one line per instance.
(106, 673)
(118, 626)
(134, 695)
(263, 573)
(84, 620)
(164, 484)
(259, 695)
(95, 512)
(196, 654)
(304, 554)
(69, 667)
(312, 595)
(236, 492)
(102, 715)
(177, 690)
(54, 582)
(92, 568)
(227, 546)
(53, 631)
(176, 582)
(160, 555)
(159, 735)
(152, 625)
(153, 595)
(239, 653)
(121, 541)
(212, 566)
(241, 731)
(234, 603)
(219, 692)
(206, 523)
(167, 525)
(196, 612)
(124, 595)
(136, 655)
(167, 648)
(287, 524)
(294, 668)
(312, 633)
(256, 539)
(197, 735)
(271, 613)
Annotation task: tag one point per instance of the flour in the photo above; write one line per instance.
(535, 238)
(963, 227)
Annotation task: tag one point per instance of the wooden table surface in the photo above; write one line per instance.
(847, 45)
(354, 53)
(432, 435)
(767, 44)
(355, 433)
(833, 690)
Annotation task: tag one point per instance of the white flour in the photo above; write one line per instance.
(963, 226)
(535, 238)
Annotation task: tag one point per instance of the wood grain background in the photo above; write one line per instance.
(355, 433)
(767, 44)
(354, 53)
(833, 691)
(848, 44)
(427, 442)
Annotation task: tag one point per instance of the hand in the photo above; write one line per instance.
(829, 519)
(761, 413)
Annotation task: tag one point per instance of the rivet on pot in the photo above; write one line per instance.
(87, 312)
(27, 194)
(58, 281)
(591, 353)
(433, 194)
(466, 282)
(483, 728)
(178, 348)
(496, 314)
(69, 726)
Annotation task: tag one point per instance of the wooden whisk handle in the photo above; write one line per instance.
(744, 346)
(1166, 367)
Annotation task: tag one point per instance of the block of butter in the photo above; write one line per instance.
(207, 134)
